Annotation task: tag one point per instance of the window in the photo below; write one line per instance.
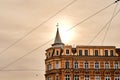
(67, 51)
(106, 65)
(96, 52)
(86, 52)
(49, 66)
(76, 77)
(107, 77)
(67, 65)
(116, 65)
(57, 53)
(76, 65)
(86, 77)
(57, 78)
(97, 77)
(117, 78)
(96, 65)
(106, 52)
(86, 65)
(80, 52)
(49, 78)
(111, 52)
(57, 64)
(67, 77)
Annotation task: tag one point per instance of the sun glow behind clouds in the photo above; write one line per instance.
(66, 35)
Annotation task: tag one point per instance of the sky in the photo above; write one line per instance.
(20, 17)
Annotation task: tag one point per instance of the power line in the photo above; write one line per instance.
(37, 27)
(52, 39)
(103, 27)
(109, 23)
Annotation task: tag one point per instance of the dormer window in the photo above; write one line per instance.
(67, 51)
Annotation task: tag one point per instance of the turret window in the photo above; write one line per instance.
(57, 53)
(57, 64)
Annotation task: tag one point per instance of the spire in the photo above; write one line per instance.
(57, 41)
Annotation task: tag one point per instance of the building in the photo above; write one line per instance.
(64, 62)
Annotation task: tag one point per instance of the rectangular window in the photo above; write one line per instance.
(76, 77)
(111, 52)
(57, 53)
(97, 77)
(117, 78)
(49, 78)
(116, 65)
(96, 52)
(107, 77)
(67, 51)
(76, 65)
(57, 78)
(106, 65)
(57, 64)
(86, 77)
(86, 65)
(67, 65)
(86, 52)
(49, 66)
(80, 52)
(67, 77)
(96, 65)
(106, 52)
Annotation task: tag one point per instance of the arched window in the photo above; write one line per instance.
(106, 65)
(96, 65)
(76, 65)
(86, 65)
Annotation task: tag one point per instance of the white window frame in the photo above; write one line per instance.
(49, 78)
(116, 66)
(98, 65)
(57, 64)
(107, 77)
(76, 77)
(118, 78)
(105, 66)
(97, 78)
(76, 66)
(87, 65)
(67, 77)
(87, 77)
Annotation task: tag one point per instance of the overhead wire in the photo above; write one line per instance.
(1, 69)
(106, 32)
(21, 38)
(103, 28)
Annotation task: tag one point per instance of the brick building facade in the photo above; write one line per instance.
(64, 62)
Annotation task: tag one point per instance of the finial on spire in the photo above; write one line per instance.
(57, 25)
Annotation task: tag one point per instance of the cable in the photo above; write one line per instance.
(37, 27)
(103, 28)
(106, 32)
(52, 39)
(25, 55)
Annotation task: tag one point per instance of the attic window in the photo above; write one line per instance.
(67, 51)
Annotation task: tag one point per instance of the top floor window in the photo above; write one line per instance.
(67, 65)
(106, 52)
(86, 52)
(67, 51)
(80, 52)
(96, 52)
(111, 52)
(76, 65)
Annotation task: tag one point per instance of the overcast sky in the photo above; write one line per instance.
(19, 17)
